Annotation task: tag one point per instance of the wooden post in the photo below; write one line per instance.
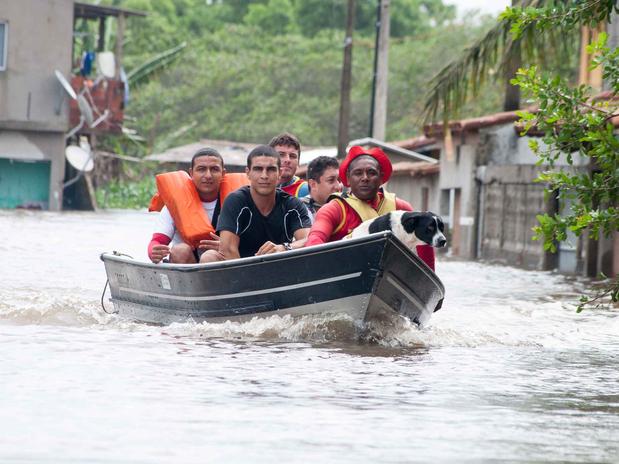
(118, 53)
(101, 41)
(591, 77)
(342, 134)
(90, 188)
(379, 119)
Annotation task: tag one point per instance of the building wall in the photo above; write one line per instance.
(411, 188)
(458, 197)
(489, 199)
(32, 102)
(39, 42)
(509, 203)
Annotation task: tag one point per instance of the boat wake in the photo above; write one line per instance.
(51, 308)
(309, 328)
(547, 322)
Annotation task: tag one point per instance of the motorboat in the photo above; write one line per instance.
(366, 278)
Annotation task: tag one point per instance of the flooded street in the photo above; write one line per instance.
(506, 371)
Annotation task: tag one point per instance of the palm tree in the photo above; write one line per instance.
(499, 52)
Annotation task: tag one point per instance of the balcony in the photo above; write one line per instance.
(105, 98)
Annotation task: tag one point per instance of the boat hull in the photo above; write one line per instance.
(364, 278)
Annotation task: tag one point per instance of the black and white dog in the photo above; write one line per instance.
(411, 228)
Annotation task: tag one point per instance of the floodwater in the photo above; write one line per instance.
(506, 371)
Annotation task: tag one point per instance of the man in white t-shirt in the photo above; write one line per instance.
(207, 170)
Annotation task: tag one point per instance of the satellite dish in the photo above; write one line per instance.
(79, 158)
(65, 84)
(106, 64)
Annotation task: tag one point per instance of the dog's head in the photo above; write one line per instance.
(426, 226)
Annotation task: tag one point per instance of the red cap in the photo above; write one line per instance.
(376, 153)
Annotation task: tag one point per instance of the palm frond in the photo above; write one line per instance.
(492, 54)
(159, 61)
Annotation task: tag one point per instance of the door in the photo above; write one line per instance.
(24, 184)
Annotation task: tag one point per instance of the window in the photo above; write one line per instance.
(4, 29)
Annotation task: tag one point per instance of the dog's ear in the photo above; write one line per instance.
(409, 221)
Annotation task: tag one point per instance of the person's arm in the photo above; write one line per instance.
(327, 219)
(403, 205)
(229, 244)
(300, 237)
(426, 253)
(164, 232)
(158, 247)
(212, 244)
(228, 225)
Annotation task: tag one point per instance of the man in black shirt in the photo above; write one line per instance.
(260, 219)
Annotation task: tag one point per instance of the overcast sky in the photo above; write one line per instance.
(485, 6)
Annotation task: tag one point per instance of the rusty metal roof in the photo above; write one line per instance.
(89, 11)
(415, 143)
(416, 168)
(233, 153)
(471, 124)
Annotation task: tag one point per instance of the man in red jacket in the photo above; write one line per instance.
(289, 149)
(364, 171)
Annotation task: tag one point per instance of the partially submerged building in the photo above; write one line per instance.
(485, 188)
(42, 104)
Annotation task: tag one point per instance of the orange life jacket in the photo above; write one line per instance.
(178, 193)
(231, 181)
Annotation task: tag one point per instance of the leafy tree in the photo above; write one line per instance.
(276, 17)
(414, 17)
(408, 17)
(577, 126)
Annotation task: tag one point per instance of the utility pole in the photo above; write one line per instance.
(344, 123)
(378, 112)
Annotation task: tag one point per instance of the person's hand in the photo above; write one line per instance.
(159, 252)
(210, 244)
(268, 248)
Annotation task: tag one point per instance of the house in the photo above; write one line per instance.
(485, 188)
(234, 154)
(36, 53)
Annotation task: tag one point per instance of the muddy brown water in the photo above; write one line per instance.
(505, 372)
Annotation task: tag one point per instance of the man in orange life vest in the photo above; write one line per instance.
(207, 171)
(289, 149)
(364, 171)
